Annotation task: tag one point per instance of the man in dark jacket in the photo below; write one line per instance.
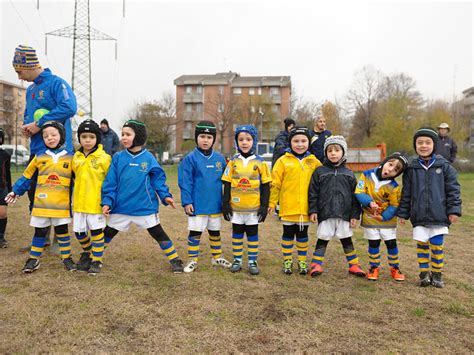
(446, 146)
(319, 135)
(281, 141)
(110, 141)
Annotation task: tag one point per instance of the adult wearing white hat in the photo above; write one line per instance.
(446, 146)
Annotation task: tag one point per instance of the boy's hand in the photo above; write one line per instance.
(262, 214)
(189, 210)
(270, 210)
(378, 217)
(227, 212)
(353, 222)
(313, 217)
(401, 220)
(170, 202)
(106, 210)
(11, 198)
(374, 208)
(453, 218)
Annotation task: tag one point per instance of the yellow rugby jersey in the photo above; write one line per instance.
(245, 176)
(52, 195)
(386, 193)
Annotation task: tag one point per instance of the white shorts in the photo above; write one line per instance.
(380, 233)
(84, 222)
(248, 219)
(334, 228)
(43, 222)
(121, 222)
(423, 234)
(288, 223)
(201, 223)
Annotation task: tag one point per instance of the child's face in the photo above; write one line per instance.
(245, 142)
(51, 137)
(128, 135)
(424, 147)
(299, 144)
(334, 153)
(391, 168)
(204, 141)
(88, 141)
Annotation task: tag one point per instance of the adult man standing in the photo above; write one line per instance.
(319, 135)
(281, 141)
(446, 146)
(48, 92)
(110, 140)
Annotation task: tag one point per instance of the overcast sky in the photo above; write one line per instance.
(320, 44)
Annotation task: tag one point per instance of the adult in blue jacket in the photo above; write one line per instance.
(109, 139)
(318, 138)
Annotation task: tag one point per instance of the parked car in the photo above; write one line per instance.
(19, 153)
(177, 158)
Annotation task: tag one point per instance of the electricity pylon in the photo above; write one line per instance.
(82, 34)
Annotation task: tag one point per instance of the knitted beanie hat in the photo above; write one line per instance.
(400, 157)
(205, 127)
(299, 130)
(288, 122)
(25, 58)
(59, 127)
(250, 129)
(140, 132)
(339, 140)
(89, 126)
(425, 132)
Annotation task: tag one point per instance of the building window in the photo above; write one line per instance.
(252, 109)
(198, 107)
(251, 91)
(237, 91)
(276, 108)
(274, 91)
(220, 108)
(260, 91)
(199, 89)
(188, 89)
(189, 107)
(220, 90)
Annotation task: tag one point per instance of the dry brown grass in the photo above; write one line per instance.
(138, 305)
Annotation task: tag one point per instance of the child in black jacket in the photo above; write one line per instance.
(333, 204)
(5, 188)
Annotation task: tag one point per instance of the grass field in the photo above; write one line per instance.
(137, 305)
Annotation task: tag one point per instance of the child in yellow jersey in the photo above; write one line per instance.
(379, 194)
(52, 202)
(246, 193)
(290, 182)
(89, 165)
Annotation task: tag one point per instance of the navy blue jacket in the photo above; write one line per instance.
(317, 143)
(281, 143)
(430, 194)
(110, 141)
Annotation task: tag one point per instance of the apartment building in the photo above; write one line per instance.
(468, 108)
(228, 99)
(12, 107)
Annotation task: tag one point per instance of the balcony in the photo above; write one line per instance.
(192, 98)
(192, 116)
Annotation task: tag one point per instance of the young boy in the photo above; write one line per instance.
(5, 188)
(52, 202)
(431, 198)
(199, 179)
(290, 181)
(89, 165)
(379, 194)
(246, 194)
(130, 189)
(333, 204)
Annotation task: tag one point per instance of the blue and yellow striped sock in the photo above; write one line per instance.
(374, 256)
(193, 247)
(392, 255)
(169, 249)
(252, 248)
(318, 256)
(84, 240)
(423, 255)
(216, 246)
(287, 247)
(64, 241)
(237, 245)
(302, 248)
(37, 247)
(98, 245)
(351, 256)
(437, 253)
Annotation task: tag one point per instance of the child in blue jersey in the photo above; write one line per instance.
(379, 194)
(199, 178)
(246, 195)
(431, 198)
(5, 188)
(52, 200)
(130, 189)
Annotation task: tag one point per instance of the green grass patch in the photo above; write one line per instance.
(419, 312)
(457, 308)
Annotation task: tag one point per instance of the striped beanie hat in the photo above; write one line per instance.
(25, 58)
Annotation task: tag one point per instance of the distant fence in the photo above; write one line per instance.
(360, 159)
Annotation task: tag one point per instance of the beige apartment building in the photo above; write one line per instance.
(468, 108)
(228, 99)
(12, 106)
